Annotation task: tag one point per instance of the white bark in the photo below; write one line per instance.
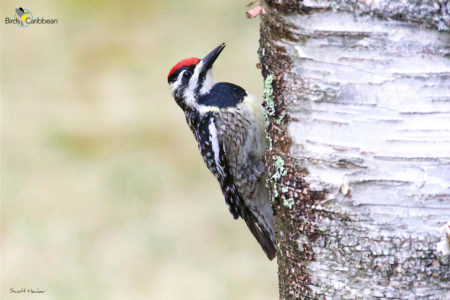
(368, 112)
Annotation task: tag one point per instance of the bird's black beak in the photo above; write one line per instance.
(209, 59)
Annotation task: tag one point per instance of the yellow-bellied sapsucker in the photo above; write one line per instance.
(228, 124)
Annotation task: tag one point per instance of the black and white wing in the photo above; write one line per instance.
(214, 153)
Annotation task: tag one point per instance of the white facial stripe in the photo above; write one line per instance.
(189, 92)
(189, 97)
(207, 83)
(194, 79)
(174, 86)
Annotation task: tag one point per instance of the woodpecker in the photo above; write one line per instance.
(228, 124)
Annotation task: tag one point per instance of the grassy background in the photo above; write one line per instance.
(104, 193)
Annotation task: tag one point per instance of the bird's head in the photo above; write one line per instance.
(192, 77)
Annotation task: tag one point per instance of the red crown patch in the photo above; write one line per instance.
(185, 62)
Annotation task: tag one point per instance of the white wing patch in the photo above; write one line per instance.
(213, 136)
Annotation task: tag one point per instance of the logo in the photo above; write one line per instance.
(24, 18)
(23, 14)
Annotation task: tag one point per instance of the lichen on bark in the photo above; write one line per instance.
(290, 194)
(357, 127)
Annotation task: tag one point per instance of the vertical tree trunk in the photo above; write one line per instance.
(357, 95)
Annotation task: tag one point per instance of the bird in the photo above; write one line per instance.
(229, 126)
(21, 13)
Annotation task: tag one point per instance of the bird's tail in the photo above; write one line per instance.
(262, 235)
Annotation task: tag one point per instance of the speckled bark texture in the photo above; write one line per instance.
(357, 95)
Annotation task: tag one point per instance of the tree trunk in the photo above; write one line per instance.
(357, 95)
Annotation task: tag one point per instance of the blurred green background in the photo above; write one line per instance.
(104, 193)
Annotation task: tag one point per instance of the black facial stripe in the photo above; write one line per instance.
(172, 78)
(201, 79)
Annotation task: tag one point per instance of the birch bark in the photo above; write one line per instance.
(357, 95)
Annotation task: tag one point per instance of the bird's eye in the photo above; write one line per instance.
(187, 74)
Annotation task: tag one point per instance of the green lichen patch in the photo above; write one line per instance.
(289, 202)
(280, 171)
(269, 106)
(279, 165)
(268, 96)
(288, 189)
(281, 117)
